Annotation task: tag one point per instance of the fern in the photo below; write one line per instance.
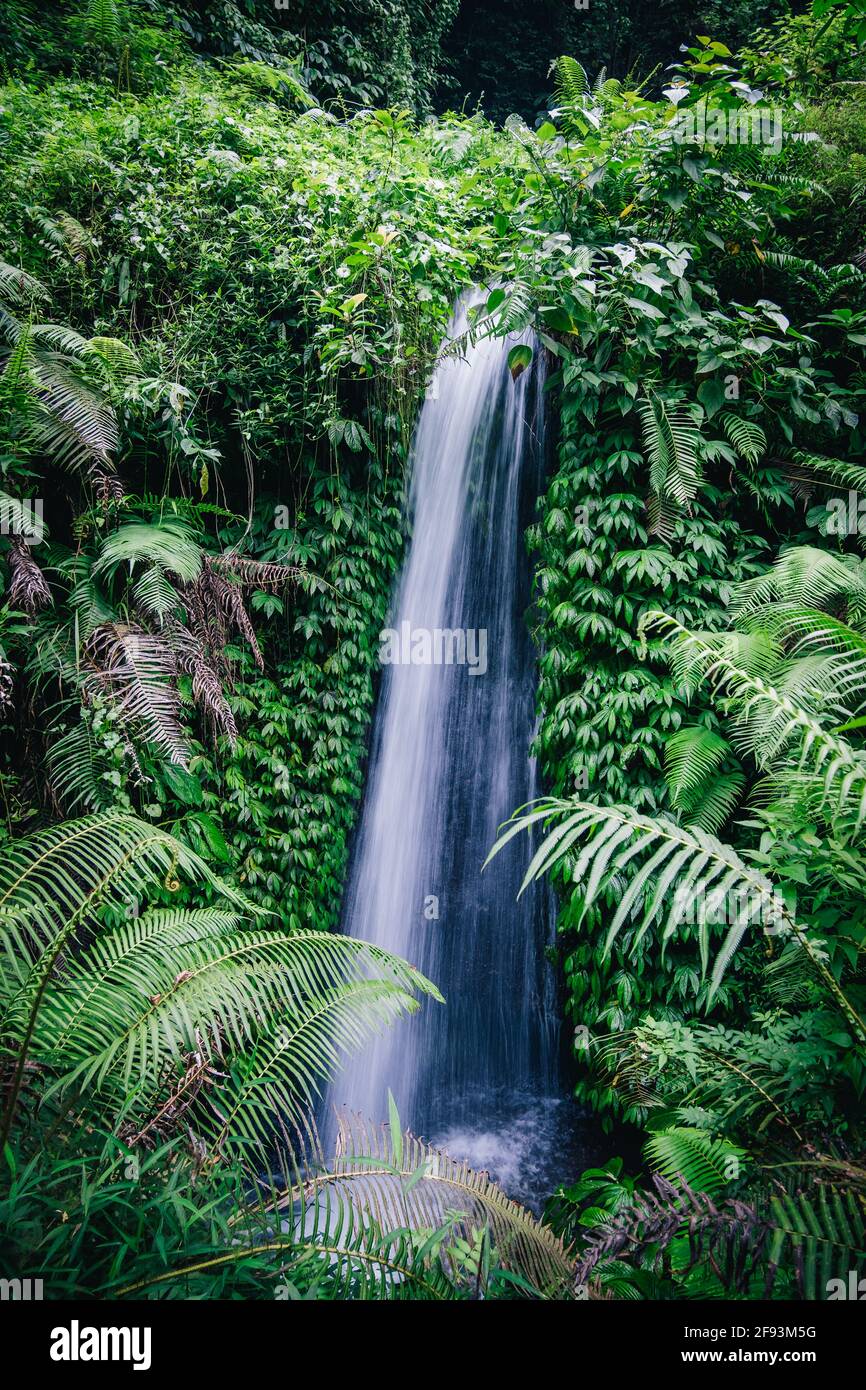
(19, 287)
(76, 425)
(115, 360)
(683, 872)
(408, 1183)
(74, 774)
(572, 83)
(671, 443)
(826, 281)
(703, 870)
(770, 724)
(819, 466)
(692, 1156)
(276, 1008)
(63, 380)
(138, 671)
(103, 24)
(803, 575)
(747, 438)
(817, 1237)
(515, 311)
(388, 1218)
(575, 109)
(272, 81)
(170, 544)
(693, 758)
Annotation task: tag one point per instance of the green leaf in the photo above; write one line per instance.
(184, 786)
(396, 1132)
(519, 359)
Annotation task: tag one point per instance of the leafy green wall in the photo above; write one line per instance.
(285, 280)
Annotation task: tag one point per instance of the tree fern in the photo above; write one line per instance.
(276, 1009)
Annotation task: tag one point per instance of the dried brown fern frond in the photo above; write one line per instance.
(215, 609)
(814, 1232)
(138, 670)
(28, 587)
(7, 683)
(263, 574)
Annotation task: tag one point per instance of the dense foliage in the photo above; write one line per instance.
(229, 246)
(712, 394)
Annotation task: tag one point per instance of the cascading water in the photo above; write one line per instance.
(449, 763)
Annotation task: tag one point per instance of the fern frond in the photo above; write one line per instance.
(18, 287)
(278, 1009)
(806, 576)
(138, 671)
(599, 843)
(684, 1154)
(154, 593)
(57, 337)
(671, 444)
(769, 724)
(170, 544)
(76, 424)
(818, 1235)
(515, 312)
(692, 755)
(571, 80)
(103, 24)
(850, 475)
(747, 438)
(272, 81)
(680, 879)
(373, 1168)
(56, 877)
(73, 772)
(114, 359)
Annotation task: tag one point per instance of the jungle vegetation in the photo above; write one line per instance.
(230, 240)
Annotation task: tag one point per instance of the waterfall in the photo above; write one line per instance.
(449, 763)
